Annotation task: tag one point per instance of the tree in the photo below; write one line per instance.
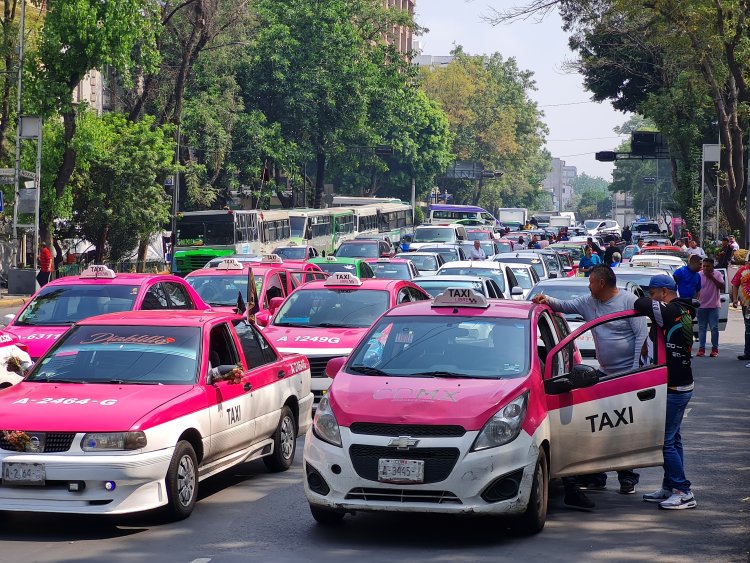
(120, 202)
(592, 198)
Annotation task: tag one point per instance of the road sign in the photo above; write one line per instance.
(649, 179)
(7, 180)
(12, 172)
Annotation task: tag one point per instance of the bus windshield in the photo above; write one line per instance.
(206, 233)
(297, 226)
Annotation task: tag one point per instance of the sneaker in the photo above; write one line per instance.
(700, 353)
(592, 486)
(627, 488)
(679, 501)
(744, 357)
(714, 353)
(577, 499)
(657, 496)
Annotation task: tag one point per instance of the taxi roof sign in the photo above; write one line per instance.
(271, 259)
(384, 259)
(461, 297)
(229, 264)
(343, 278)
(97, 271)
(330, 259)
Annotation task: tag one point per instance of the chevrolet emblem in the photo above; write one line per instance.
(403, 442)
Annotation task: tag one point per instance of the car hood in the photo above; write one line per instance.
(420, 400)
(38, 339)
(81, 407)
(314, 341)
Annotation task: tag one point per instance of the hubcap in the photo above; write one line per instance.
(186, 480)
(287, 437)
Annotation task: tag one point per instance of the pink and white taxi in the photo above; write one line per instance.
(130, 411)
(469, 406)
(324, 319)
(96, 291)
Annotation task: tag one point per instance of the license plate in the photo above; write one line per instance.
(23, 474)
(400, 471)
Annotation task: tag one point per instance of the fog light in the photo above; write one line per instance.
(76, 486)
(110, 485)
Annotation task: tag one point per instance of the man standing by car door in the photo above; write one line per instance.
(673, 316)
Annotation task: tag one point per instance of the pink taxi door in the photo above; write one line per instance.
(597, 422)
(232, 420)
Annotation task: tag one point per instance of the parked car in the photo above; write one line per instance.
(428, 263)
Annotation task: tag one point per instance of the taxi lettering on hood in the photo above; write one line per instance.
(409, 394)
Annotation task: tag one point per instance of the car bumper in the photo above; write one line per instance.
(139, 483)
(461, 492)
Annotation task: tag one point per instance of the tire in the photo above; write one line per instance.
(182, 482)
(532, 521)
(284, 443)
(326, 516)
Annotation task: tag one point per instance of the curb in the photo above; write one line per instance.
(13, 301)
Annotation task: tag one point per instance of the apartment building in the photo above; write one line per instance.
(559, 183)
(402, 37)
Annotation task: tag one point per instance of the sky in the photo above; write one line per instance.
(577, 127)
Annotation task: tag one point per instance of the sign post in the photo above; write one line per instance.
(711, 153)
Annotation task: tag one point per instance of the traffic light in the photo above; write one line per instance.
(643, 143)
(606, 156)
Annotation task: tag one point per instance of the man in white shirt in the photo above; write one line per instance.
(695, 249)
(477, 253)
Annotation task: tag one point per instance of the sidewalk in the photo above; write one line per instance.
(12, 300)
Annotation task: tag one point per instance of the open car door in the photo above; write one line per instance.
(724, 299)
(604, 422)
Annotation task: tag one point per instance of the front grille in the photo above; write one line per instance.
(439, 462)
(54, 442)
(403, 495)
(318, 365)
(422, 430)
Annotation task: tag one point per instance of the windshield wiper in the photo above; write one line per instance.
(337, 325)
(48, 379)
(440, 374)
(301, 325)
(129, 382)
(367, 370)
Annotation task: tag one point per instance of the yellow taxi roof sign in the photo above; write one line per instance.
(343, 278)
(461, 297)
(97, 271)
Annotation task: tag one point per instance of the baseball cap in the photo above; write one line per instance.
(658, 281)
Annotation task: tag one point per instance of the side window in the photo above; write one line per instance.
(512, 281)
(221, 348)
(546, 340)
(383, 248)
(178, 296)
(256, 349)
(404, 296)
(284, 283)
(155, 298)
(366, 270)
(567, 352)
(273, 289)
(493, 290)
(416, 295)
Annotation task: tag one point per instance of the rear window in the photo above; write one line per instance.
(291, 252)
(66, 304)
(141, 355)
(434, 234)
(223, 291)
(423, 263)
(358, 250)
(435, 287)
(391, 271)
(493, 274)
(463, 347)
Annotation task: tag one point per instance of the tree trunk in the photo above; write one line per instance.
(101, 243)
(320, 178)
(69, 155)
(142, 254)
(477, 193)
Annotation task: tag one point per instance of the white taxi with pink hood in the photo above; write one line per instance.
(469, 406)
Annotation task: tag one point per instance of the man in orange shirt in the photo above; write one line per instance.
(45, 264)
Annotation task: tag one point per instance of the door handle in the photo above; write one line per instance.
(281, 373)
(247, 386)
(646, 394)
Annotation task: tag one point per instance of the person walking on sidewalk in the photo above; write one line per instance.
(45, 264)
(712, 285)
(673, 316)
(741, 293)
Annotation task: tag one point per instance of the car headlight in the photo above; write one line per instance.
(325, 426)
(113, 441)
(503, 427)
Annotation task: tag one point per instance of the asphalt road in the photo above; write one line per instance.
(249, 514)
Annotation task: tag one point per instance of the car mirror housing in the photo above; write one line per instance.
(334, 365)
(516, 291)
(583, 376)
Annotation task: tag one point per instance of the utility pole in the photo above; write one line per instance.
(17, 175)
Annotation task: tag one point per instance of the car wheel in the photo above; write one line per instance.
(532, 521)
(284, 443)
(326, 516)
(182, 481)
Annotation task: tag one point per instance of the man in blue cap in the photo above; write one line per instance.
(673, 316)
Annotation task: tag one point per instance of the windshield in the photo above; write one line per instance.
(391, 271)
(67, 304)
(486, 245)
(434, 234)
(332, 308)
(291, 252)
(436, 287)
(123, 354)
(535, 263)
(503, 247)
(491, 273)
(629, 251)
(448, 254)
(478, 235)
(646, 227)
(422, 263)
(633, 275)
(591, 224)
(206, 233)
(332, 267)
(575, 252)
(223, 291)
(297, 227)
(486, 348)
(358, 250)
(523, 277)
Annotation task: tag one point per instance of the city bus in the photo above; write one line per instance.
(442, 213)
(355, 201)
(322, 228)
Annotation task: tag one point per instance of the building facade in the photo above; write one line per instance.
(559, 183)
(402, 37)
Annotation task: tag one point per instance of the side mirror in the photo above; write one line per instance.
(334, 365)
(273, 306)
(557, 386)
(516, 291)
(552, 275)
(7, 319)
(583, 376)
(262, 318)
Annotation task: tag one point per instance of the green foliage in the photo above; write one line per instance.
(592, 197)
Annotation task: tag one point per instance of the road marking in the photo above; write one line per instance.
(201, 560)
(687, 412)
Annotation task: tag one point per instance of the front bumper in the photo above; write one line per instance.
(459, 493)
(139, 483)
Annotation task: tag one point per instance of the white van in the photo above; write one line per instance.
(443, 234)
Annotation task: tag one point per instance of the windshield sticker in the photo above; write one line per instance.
(133, 291)
(111, 338)
(405, 336)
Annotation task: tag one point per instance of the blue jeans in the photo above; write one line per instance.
(746, 315)
(708, 319)
(674, 465)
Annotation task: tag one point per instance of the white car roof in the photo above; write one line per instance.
(478, 264)
(657, 258)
